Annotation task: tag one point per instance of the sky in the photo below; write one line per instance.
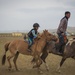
(22, 14)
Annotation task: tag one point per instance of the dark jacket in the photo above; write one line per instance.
(32, 35)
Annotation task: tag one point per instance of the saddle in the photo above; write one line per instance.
(26, 39)
(65, 39)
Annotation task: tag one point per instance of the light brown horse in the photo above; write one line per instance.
(21, 46)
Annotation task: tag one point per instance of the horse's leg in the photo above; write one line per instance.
(46, 65)
(14, 60)
(73, 57)
(33, 61)
(43, 57)
(39, 70)
(61, 63)
(36, 63)
(8, 58)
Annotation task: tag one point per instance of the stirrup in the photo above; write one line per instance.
(59, 53)
(29, 50)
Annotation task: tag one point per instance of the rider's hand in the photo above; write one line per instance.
(63, 33)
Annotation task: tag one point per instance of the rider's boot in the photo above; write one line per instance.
(58, 49)
(29, 48)
(62, 48)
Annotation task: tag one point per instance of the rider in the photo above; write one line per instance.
(61, 31)
(33, 33)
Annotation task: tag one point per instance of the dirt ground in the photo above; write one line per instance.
(25, 66)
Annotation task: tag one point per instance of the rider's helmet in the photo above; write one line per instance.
(36, 25)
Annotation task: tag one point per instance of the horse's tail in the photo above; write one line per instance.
(4, 56)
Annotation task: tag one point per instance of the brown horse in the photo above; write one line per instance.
(68, 51)
(21, 46)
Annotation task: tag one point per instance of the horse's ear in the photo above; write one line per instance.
(44, 30)
(47, 30)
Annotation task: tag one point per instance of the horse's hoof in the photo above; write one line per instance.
(33, 63)
(40, 72)
(9, 69)
(58, 71)
(48, 69)
(35, 66)
(17, 70)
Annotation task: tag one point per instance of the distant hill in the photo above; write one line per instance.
(11, 31)
(52, 30)
(69, 29)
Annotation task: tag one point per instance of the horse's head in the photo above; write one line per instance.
(46, 35)
(49, 36)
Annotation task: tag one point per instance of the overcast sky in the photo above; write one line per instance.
(22, 14)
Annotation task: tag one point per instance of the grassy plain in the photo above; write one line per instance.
(25, 66)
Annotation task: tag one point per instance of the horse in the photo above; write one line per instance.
(68, 51)
(20, 46)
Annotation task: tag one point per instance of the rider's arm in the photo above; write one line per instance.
(33, 32)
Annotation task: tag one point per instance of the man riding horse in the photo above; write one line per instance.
(61, 31)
